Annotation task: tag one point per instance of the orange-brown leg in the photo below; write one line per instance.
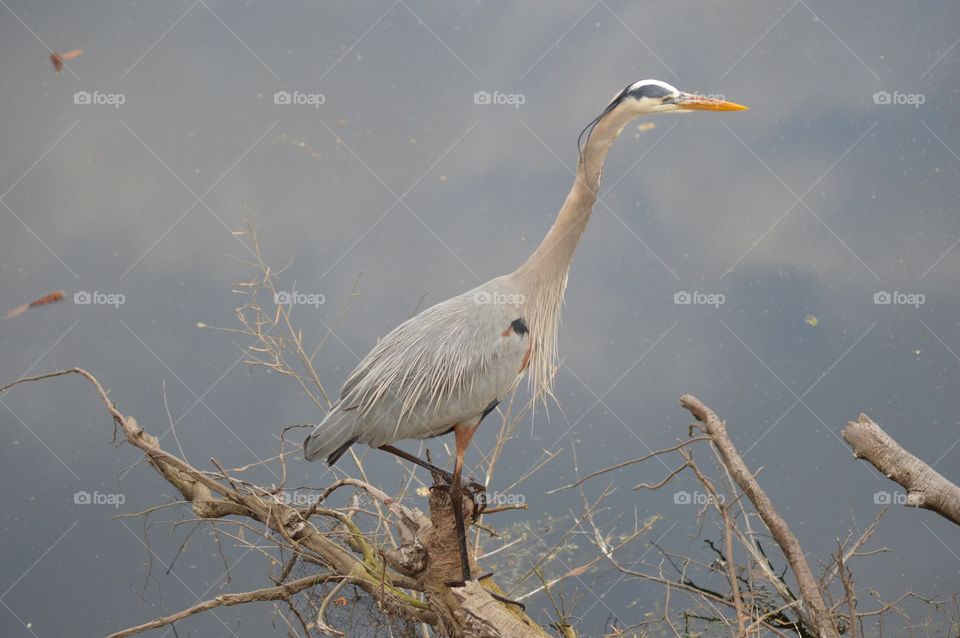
(463, 434)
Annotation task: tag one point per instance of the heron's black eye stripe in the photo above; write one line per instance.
(653, 91)
(519, 326)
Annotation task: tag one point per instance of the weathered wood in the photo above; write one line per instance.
(925, 487)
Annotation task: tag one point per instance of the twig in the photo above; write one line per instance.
(849, 594)
(818, 614)
(279, 592)
(628, 463)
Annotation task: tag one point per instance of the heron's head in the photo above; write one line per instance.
(654, 96)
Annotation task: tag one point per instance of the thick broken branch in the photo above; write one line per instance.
(925, 487)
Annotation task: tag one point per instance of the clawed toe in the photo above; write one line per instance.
(508, 601)
(476, 487)
(443, 475)
(476, 491)
(472, 486)
(478, 494)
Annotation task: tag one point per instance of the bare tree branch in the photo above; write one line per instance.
(925, 487)
(280, 592)
(387, 575)
(813, 605)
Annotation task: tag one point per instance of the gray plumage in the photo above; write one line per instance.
(446, 366)
(437, 369)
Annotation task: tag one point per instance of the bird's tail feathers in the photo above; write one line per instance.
(332, 437)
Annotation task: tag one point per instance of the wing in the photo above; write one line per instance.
(442, 366)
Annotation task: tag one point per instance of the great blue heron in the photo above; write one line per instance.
(449, 366)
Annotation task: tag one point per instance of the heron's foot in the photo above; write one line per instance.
(478, 494)
(477, 507)
(441, 475)
(476, 491)
(447, 480)
(508, 601)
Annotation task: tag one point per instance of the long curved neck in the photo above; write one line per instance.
(555, 252)
(542, 278)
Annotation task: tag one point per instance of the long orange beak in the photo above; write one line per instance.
(704, 103)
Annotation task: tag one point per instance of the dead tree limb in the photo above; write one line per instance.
(813, 608)
(395, 579)
(925, 487)
(280, 592)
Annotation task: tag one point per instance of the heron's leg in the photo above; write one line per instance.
(463, 435)
(448, 477)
